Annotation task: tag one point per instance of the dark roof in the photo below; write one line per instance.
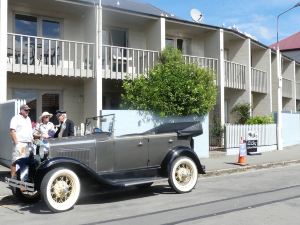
(135, 6)
(289, 43)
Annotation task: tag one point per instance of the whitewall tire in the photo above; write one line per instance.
(60, 189)
(183, 175)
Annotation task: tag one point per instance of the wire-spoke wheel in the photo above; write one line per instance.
(183, 175)
(60, 189)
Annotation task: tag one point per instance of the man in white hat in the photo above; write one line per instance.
(21, 135)
(45, 128)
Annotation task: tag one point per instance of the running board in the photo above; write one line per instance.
(134, 181)
(25, 186)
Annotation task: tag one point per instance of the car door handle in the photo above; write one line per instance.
(170, 140)
(140, 143)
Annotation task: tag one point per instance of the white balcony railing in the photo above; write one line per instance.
(208, 63)
(121, 62)
(287, 88)
(235, 75)
(39, 55)
(298, 90)
(259, 82)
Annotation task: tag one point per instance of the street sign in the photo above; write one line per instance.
(251, 142)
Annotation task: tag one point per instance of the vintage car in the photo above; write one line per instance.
(59, 167)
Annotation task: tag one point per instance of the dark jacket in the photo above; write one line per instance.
(68, 131)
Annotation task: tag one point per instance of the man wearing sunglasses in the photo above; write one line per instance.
(21, 135)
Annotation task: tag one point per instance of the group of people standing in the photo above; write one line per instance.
(23, 134)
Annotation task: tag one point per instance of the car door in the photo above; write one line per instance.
(130, 152)
(159, 145)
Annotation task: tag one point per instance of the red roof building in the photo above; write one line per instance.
(290, 46)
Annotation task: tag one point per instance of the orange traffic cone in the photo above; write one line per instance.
(242, 153)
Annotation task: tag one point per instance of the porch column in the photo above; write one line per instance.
(222, 78)
(3, 51)
(162, 33)
(93, 87)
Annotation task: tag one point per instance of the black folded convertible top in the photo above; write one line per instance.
(181, 128)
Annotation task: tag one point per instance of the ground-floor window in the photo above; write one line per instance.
(39, 101)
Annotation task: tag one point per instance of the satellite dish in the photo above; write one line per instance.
(196, 15)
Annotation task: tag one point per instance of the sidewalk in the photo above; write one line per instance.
(218, 164)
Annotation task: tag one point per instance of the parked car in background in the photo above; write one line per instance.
(61, 166)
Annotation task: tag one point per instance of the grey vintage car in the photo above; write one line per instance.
(60, 166)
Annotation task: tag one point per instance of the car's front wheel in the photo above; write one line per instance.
(60, 189)
(183, 175)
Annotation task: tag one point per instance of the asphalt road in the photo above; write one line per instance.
(269, 196)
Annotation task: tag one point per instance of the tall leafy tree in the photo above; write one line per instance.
(172, 87)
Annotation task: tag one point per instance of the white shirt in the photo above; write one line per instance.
(44, 129)
(23, 128)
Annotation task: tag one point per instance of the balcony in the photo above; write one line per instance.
(287, 88)
(259, 82)
(235, 75)
(122, 62)
(46, 56)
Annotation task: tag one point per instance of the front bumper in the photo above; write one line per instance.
(24, 186)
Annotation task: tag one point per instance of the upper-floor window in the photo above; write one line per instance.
(115, 37)
(182, 44)
(37, 26)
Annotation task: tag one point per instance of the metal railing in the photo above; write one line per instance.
(39, 55)
(123, 62)
(259, 82)
(287, 88)
(235, 75)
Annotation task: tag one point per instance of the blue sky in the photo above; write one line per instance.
(256, 17)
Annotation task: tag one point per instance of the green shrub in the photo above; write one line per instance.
(260, 120)
(172, 88)
(242, 111)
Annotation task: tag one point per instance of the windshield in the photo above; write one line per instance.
(100, 124)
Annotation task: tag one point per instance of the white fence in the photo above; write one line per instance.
(266, 136)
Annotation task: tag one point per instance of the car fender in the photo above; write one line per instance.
(181, 151)
(65, 162)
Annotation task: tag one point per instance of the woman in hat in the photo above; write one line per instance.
(44, 129)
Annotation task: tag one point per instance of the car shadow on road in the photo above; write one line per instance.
(117, 195)
(88, 196)
(4, 174)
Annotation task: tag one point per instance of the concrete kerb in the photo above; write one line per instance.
(219, 172)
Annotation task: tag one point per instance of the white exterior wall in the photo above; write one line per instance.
(73, 24)
(262, 103)
(71, 90)
(239, 51)
(214, 48)
(3, 51)
(154, 36)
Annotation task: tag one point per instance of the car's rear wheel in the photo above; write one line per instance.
(183, 175)
(60, 189)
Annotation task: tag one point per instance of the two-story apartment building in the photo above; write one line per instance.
(75, 55)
